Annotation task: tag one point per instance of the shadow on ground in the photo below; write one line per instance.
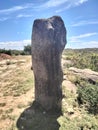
(36, 118)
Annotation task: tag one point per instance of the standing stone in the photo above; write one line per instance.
(48, 42)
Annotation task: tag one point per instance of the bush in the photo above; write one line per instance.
(88, 96)
(27, 50)
(84, 122)
(12, 52)
(83, 58)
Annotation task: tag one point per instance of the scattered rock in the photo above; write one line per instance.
(70, 111)
(88, 74)
(69, 85)
(65, 77)
(4, 56)
(65, 63)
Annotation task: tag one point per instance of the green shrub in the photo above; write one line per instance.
(85, 122)
(27, 49)
(88, 96)
(83, 58)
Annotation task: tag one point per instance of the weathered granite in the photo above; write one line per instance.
(88, 74)
(48, 42)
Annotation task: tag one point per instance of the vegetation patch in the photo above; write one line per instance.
(83, 58)
(88, 96)
(79, 110)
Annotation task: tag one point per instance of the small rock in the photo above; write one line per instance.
(70, 111)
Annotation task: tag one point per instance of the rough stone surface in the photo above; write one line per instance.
(88, 74)
(48, 42)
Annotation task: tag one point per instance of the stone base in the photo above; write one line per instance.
(36, 118)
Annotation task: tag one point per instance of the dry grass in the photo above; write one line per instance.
(17, 93)
(16, 82)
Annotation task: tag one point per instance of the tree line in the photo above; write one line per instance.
(25, 51)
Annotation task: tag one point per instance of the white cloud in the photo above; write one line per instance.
(18, 45)
(79, 2)
(16, 8)
(88, 44)
(83, 44)
(4, 19)
(81, 23)
(55, 3)
(23, 15)
(62, 9)
(86, 35)
(92, 43)
(80, 41)
(76, 38)
(49, 4)
(71, 3)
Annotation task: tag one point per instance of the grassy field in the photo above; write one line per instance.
(17, 94)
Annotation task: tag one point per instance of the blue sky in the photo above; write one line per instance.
(17, 17)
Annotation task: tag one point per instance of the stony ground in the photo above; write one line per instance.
(17, 89)
(17, 94)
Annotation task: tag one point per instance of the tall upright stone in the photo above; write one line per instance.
(48, 42)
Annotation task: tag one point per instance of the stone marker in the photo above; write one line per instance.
(48, 42)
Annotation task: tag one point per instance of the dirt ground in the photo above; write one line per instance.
(16, 89)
